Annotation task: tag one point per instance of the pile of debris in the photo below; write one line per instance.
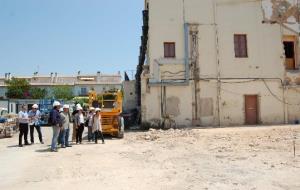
(8, 125)
(155, 134)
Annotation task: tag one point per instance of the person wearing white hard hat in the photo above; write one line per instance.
(74, 125)
(65, 117)
(97, 127)
(35, 115)
(23, 125)
(79, 123)
(55, 121)
(60, 132)
(89, 123)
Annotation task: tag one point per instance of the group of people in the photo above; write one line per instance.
(60, 120)
(29, 120)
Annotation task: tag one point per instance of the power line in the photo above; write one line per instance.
(266, 85)
(276, 97)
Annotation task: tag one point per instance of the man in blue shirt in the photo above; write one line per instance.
(34, 115)
(55, 120)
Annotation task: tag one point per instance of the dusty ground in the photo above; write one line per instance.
(226, 158)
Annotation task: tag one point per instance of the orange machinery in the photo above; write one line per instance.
(111, 110)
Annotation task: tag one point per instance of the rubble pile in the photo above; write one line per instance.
(9, 125)
(155, 134)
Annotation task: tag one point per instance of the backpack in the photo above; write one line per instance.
(86, 123)
(50, 118)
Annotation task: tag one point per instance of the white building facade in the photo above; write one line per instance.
(220, 63)
(81, 84)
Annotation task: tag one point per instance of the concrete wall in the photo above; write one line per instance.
(129, 99)
(293, 104)
(222, 104)
(178, 104)
(232, 103)
(231, 18)
(265, 48)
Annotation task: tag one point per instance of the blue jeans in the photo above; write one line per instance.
(56, 130)
(90, 133)
(65, 137)
(59, 137)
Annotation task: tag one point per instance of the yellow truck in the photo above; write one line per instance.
(111, 111)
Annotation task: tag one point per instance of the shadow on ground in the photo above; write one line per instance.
(43, 150)
(13, 146)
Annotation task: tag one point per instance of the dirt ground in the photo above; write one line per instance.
(224, 158)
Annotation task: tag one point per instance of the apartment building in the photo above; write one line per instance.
(220, 62)
(80, 83)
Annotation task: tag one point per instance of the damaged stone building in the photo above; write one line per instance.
(220, 62)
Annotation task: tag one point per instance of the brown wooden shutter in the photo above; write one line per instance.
(240, 45)
(243, 41)
(166, 50)
(236, 46)
(169, 49)
(172, 50)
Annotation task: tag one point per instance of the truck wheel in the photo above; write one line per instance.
(121, 128)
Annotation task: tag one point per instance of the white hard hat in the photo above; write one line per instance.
(66, 106)
(92, 108)
(56, 103)
(78, 105)
(97, 109)
(79, 108)
(35, 106)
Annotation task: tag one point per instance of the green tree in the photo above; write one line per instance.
(17, 88)
(83, 101)
(37, 93)
(63, 92)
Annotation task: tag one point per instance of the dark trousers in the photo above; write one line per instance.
(23, 132)
(79, 132)
(98, 134)
(38, 129)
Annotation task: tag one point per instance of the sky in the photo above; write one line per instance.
(67, 36)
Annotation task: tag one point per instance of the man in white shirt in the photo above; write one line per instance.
(34, 115)
(79, 123)
(23, 125)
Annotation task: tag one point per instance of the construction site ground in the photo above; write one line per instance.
(223, 158)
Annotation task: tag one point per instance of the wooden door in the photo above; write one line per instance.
(251, 111)
(289, 49)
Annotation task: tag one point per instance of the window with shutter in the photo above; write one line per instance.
(169, 49)
(240, 45)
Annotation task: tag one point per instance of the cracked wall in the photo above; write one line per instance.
(282, 11)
